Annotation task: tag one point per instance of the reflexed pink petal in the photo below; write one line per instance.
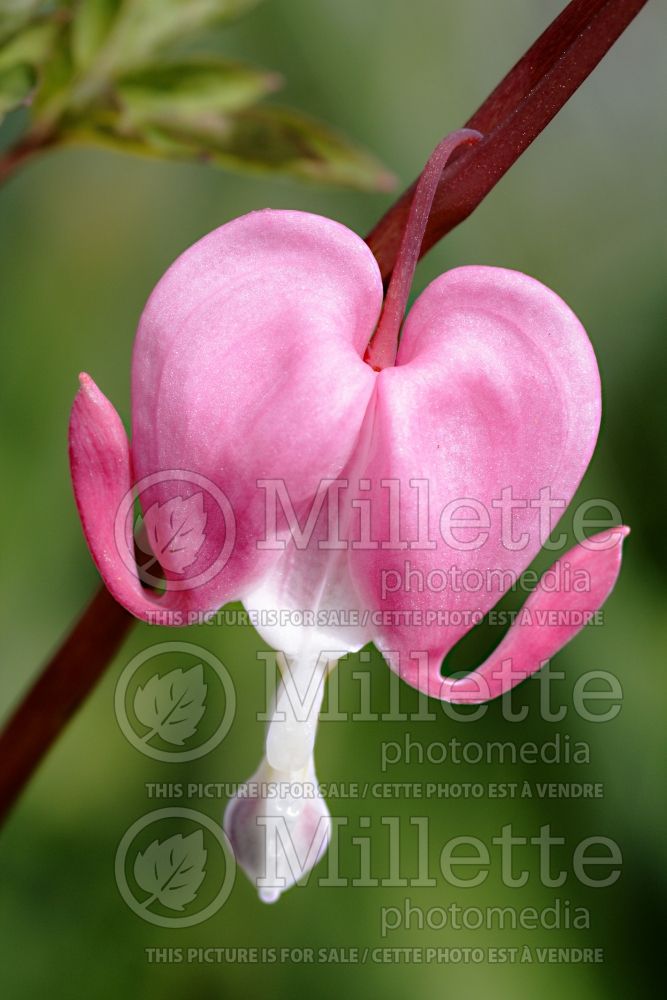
(496, 387)
(101, 475)
(548, 620)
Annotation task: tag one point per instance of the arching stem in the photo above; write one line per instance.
(381, 352)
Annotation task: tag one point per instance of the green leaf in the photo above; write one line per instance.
(266, 139)
(31, 46)
(194, 88)
(91, 25)
(15, 14)
(55, 76)
(20, 60)
(280, 140)
(16, 85)
(95, 71)
(145, 28)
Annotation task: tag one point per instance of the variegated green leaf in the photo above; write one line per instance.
(265, 139)
(144, 28)
(100, 74)
(280, 140)
(187, 89)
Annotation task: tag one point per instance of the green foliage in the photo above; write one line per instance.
(90, 27)
(127, 73)
(20, 59)
(16, 84)
(193, 89)
(16, 14)
(133, 32)
(265, 139)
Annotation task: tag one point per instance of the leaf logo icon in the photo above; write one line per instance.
(172, 871)
(171, 705)
(172, 533)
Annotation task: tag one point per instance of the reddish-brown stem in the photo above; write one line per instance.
(520, 107)
(62, 686)
(511, 118)
(17, 156)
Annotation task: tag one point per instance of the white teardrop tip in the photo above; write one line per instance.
(269, 895)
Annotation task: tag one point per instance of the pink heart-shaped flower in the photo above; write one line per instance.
(282, 461)
(248, 370)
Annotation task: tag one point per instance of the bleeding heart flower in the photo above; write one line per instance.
(258, 369)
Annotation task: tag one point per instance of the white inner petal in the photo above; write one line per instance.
(291, 735)
(308, 609)
(308, 604)
(280, 834)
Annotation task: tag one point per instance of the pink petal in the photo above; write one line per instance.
(247, 358)
(247, 366)
(101, 475)
(496, 387)
(176, 531)
(548, 620)
(312, 574)
(101, 471)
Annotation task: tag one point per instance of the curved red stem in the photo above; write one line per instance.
(381, 352)
(511, 118)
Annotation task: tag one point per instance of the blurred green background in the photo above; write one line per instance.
(84, 235)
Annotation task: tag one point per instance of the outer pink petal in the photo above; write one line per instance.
(547, 621)
(247, 366)
(496, 387)
(101, 475)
